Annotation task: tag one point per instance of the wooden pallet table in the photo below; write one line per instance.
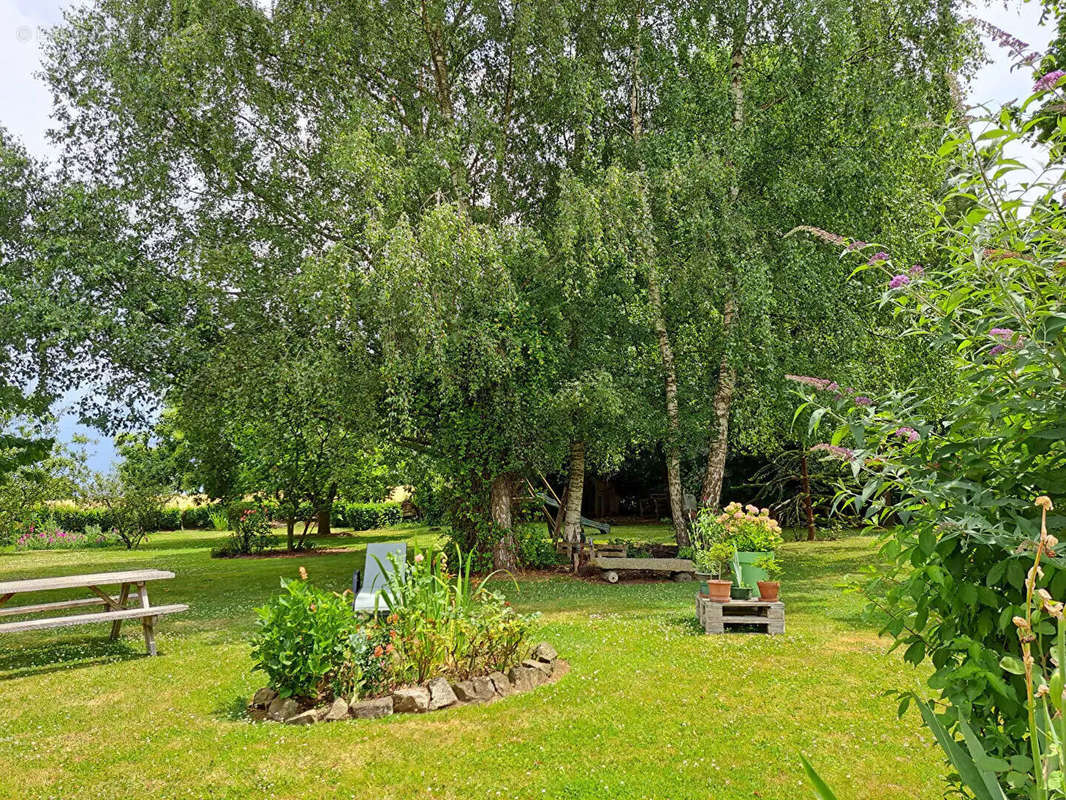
(721, 617)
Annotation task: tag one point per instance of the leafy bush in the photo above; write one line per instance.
(73, 518)
(956, 469)
(535, 550)
(250, 533)
(303, 640)
(367, 516)
(202, 517)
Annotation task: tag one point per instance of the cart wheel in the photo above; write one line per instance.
(681, 577)
(610, 576)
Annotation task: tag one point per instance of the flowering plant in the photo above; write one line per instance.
(749, 528)
(954, 468)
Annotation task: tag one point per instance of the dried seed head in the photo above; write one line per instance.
(1043, 690)
(1021, 623)
(303, 574)
(1050, 542)
(1044, 502)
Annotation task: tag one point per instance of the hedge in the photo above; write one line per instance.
(366, 516)
(73, 519)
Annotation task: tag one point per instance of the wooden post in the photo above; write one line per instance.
(147, 623)
(123, 596)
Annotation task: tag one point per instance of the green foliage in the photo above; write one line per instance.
(131, 511)
(959, 476)
(770, 566)
(366, 516)
(449, 625)
(713, 558)
(303, 639)
(532, 547)
(156, 517)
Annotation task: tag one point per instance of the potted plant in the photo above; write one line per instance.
(754, 536)
(769, 589)
(710, 561)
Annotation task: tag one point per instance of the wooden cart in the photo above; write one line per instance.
(680, 569)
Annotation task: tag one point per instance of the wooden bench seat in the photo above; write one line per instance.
(87, 619)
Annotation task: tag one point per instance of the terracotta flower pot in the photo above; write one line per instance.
(719, 591)
(769, 591)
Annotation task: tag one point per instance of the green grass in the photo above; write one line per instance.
(651, 709)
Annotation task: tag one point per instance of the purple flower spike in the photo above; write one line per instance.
(898, 281)
(916, 271)
(858, 244)
(909, 434)
(839, 452)
(1048, 81)
(1008, 340)
(880, 255)
(863, 400)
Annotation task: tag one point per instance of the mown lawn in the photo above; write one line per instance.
(651, 708)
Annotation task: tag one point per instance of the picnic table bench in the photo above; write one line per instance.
(115, 607)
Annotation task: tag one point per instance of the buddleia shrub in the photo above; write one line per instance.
(958, 470)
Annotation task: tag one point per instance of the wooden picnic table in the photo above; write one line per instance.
(115, 608)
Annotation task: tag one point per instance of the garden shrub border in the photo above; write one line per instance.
(542, 667)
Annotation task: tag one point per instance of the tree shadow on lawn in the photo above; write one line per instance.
(59, 656)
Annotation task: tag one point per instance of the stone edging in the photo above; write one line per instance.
(543, 666)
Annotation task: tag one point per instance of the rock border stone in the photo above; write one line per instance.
(543, 666)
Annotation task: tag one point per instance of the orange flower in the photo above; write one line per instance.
(389, 648)
(378, 652)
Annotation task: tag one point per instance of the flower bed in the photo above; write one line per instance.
(543, 666)
(35, 538)
(442, 632)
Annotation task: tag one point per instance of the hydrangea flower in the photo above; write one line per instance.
(1048, 81)
(898, 281)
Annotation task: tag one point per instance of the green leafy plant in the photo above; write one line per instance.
(769, 564)
(303, 639)
(448, 623)
(219, 520)
(713, 559)
(250, 533)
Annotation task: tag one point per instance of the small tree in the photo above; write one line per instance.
(134, 509)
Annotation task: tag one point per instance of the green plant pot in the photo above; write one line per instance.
(748, 571)
(740, 592)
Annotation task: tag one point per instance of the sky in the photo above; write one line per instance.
(25, 103)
